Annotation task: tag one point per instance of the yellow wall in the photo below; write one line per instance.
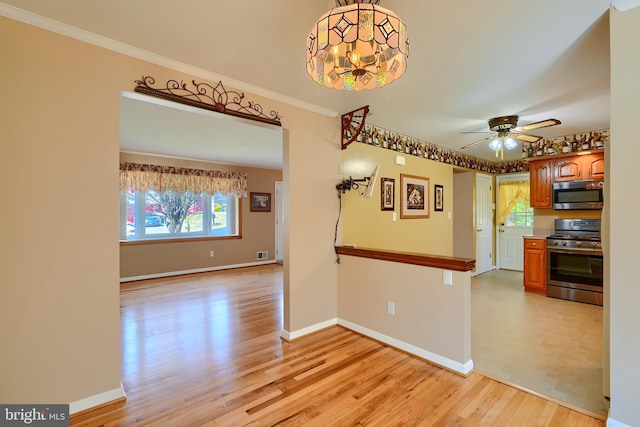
(366, 225)
(258, 230)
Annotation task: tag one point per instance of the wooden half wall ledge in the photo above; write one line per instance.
(435, 261)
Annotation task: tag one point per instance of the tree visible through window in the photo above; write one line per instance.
(513, 201)
(521, 215)
(155, 214)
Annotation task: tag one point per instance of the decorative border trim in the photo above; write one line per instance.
(394, 141)
(213, 98)
(97, 399)
(461, 368)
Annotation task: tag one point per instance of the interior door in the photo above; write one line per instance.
(484, 223)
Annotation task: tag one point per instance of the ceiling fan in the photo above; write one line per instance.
(505, 130)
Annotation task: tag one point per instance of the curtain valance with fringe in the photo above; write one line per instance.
(142, 177)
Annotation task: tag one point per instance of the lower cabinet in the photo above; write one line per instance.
(535, 264)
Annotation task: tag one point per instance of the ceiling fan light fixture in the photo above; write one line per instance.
(357, 45)
(510, 143)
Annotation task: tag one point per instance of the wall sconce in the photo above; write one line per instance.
(353, 184)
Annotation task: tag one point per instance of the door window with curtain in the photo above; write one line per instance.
(513, 202)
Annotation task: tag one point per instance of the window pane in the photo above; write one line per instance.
(171, 212)
(193, 221)
(131, 213)
(219, 209)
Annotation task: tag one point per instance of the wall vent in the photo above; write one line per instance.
(263, 254)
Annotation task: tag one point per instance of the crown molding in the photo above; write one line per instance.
(49, 24)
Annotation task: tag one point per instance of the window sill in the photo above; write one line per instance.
(176, 240)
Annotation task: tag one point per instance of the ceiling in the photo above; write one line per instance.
(469, 61)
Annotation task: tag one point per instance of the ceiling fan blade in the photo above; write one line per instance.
(485, 132)
(526, 137)
(538, 125)
(476, 142)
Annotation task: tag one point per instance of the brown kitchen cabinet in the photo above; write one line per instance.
(590, 166)
(535, 264)
(540, 183)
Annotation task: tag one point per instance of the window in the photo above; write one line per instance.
(166, 214)
(513, 204)
(521, 215)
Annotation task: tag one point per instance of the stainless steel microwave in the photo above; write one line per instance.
(585, 194)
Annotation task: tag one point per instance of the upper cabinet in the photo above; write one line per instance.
(540, 183)
(590, 166)
(545, 171)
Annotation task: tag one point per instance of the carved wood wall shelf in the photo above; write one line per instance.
(213, 98)
(352, 125)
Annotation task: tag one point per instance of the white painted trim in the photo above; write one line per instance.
(195, 270)
(290, 336)
(613, 423)
(97, 399)
(624, 5)
(473, 273)
(125, 49)
(463, 368)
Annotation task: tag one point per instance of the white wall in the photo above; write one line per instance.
(624, 206)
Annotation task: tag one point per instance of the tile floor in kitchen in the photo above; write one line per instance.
(546, 345)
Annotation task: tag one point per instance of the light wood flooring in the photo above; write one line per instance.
(546, 345)
(204, 349)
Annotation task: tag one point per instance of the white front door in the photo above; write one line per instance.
(511, 247)
(484, 224)
(510, 235)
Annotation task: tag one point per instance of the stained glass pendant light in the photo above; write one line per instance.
(357, 45)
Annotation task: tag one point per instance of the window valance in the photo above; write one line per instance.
(141, 177)
(509, 194)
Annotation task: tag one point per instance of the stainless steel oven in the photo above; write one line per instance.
(574, 261)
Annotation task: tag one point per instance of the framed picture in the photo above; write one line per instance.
(414, 196)
(387, 194)
(260, 202)
(438, 198)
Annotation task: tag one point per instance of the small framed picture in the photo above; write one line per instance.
(387, 194)
(260, 202)
(414, 196)
(438, 198)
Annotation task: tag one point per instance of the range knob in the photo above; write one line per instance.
(555, 242)
(578, 243)
(564, 243)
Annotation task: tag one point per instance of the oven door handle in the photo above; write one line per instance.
(586, 251)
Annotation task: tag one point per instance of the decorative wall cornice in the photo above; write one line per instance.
(203, 95)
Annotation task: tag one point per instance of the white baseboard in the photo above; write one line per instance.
(97, 399)
(290, 336)
(196, 270)
(463, 368)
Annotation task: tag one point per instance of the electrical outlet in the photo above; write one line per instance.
(391, 308)
(211, 253)
(447, 277)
